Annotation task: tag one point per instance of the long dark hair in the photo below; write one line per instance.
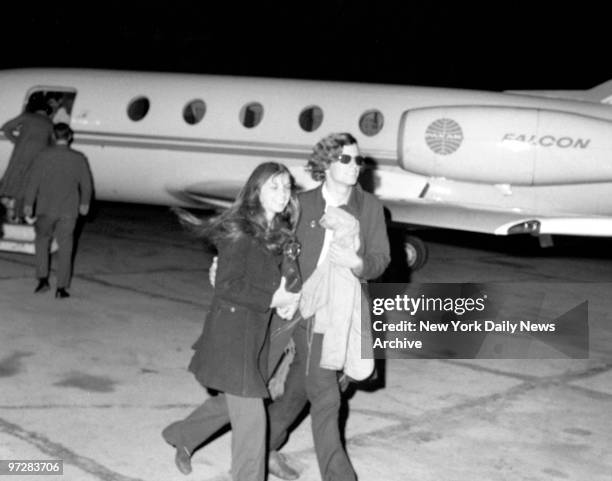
(246, 215)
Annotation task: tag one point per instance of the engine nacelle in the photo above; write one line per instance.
(506, 145)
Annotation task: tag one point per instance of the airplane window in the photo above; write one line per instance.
(251, 114)
(194, 111)
(371, 122)
(311, 118)
(138, 108)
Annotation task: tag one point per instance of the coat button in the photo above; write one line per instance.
(232, 309)
(313, 224)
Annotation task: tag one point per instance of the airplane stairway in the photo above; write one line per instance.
(20, 238)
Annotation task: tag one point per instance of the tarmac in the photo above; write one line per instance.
(93, 379)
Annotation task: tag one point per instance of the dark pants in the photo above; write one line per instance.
(248, 420)
(320, 387)
(212, 415)
(63, 229)
(201, 424)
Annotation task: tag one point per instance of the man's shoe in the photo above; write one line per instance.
(61, 293)
(43, 286)
(182, 459)
(279, 467)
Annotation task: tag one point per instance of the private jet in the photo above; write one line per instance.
(502, 163)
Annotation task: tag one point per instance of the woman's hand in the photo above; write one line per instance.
(286, 303)
(212, 271)
(283, 299)
(288, 311)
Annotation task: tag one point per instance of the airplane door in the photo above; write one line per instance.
(59, 101)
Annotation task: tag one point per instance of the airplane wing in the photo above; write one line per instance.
(431, 213)
(494, 221)
(210, 194)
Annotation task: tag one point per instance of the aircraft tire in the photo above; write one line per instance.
(416, 252)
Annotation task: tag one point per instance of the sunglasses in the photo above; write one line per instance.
(346, 159)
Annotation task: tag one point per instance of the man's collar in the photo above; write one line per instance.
(329, 198)
(355, 200)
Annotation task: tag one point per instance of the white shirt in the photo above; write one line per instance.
(61, 116)
(329, 234)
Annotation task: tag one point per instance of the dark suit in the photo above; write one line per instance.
(59, 183)
(314, 384)
(34, 134)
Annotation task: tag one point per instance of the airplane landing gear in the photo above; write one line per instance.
(546, 240)
(416, 252)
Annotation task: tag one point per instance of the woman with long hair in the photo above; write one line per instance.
(231, 354)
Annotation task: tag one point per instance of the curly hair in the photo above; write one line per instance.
(246, 215)
(325, 151)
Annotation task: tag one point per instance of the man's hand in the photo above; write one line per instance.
(83, 209)
(346, 258)
(212, 271)
(27, 211)
(344, 381)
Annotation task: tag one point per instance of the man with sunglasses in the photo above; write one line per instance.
(336, 162)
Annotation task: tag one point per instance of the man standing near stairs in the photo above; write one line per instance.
(59, 189)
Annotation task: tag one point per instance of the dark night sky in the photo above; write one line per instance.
(509, 46)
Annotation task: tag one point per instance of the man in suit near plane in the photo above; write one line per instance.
(59, 188)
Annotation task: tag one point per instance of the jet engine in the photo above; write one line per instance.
(506, 145)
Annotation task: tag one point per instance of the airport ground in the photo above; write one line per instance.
(93, 379)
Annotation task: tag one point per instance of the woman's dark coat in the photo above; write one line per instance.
(231, 355)
(35, 132)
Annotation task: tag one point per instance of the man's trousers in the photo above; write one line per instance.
(63, 229)
(320, 387)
